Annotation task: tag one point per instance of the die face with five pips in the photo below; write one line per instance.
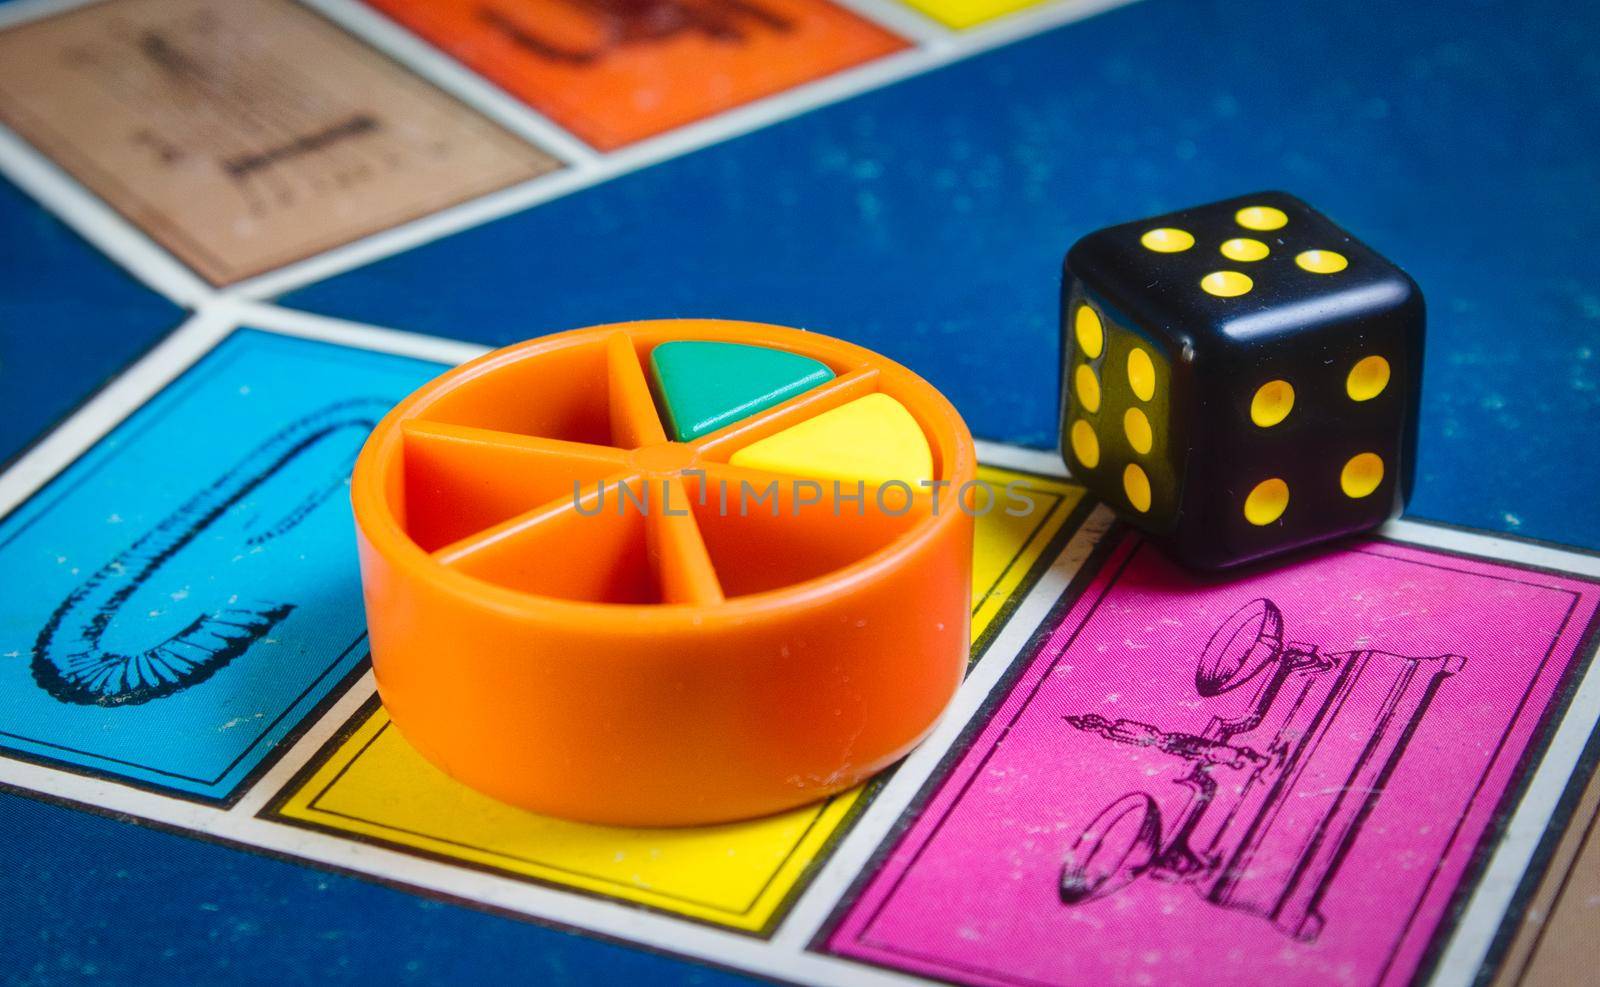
(1240, 379)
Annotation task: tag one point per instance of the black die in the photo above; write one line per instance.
(1240, 379)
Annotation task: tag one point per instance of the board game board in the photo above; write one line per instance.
(230, 225)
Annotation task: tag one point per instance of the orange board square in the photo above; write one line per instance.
(616, 71)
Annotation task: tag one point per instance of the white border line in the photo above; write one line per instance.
(743, 119)
(735, 122)
(853, 853)
(293, 322)
(904, 20)
(932, 47)
(1485, 911)
(782, 957)
(132, 388)
(785, 955)
(436, 66)
(91, 218)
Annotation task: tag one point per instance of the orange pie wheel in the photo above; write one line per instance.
(575, 615)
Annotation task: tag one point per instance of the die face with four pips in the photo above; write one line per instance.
(1240, 379)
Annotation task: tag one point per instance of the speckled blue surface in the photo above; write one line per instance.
(85, 899)
(69, 319)
(927, 220)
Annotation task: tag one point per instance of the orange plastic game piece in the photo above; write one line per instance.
(577, 616)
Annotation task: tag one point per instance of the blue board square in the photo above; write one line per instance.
(192, 589)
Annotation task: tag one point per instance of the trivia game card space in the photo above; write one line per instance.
(614, 73)
(191, 591)
(1284, 777)
(244, 136)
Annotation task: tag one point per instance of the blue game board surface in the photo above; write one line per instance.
(921, 211)
(927, 219)
(57, 346)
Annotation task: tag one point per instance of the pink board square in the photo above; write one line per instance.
(1278, 778)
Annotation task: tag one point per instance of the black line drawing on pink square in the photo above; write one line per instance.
(1281, 781)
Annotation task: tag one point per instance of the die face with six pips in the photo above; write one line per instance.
(1240, 379)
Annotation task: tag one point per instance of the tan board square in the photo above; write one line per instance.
(244, 136)
(1558, 926)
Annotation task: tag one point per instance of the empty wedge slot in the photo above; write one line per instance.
(459, 481)
(568, 399)
(567, 552)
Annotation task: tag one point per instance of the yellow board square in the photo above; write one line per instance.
(371, 785)
(966, 13)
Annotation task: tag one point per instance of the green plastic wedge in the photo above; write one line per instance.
(703, 386)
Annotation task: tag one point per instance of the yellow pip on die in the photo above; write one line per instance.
(1240, 379)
